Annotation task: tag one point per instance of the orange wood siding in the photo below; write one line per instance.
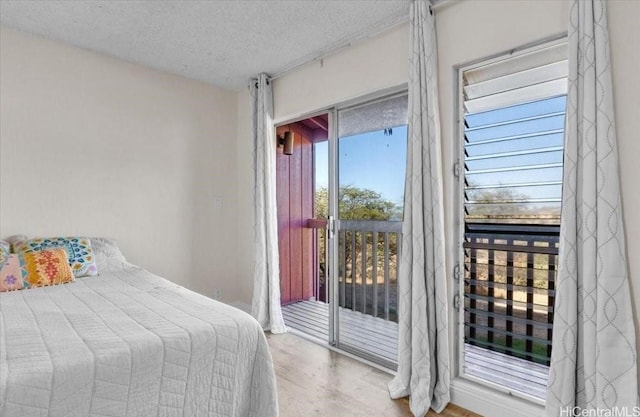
(295, 207)
(308, 248)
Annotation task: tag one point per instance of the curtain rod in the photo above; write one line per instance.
(358, 38)
(340, 45)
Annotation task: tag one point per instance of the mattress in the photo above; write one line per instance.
(129, 343)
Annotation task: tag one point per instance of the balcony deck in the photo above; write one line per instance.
(379, 337)
(372, 335)
(514, 374)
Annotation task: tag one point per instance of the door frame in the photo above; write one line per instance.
(333, 224)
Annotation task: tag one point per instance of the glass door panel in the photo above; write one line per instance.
(369, 163)
(356, 194)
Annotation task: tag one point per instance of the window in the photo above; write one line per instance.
(513, 109)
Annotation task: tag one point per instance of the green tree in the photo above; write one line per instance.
(357, 204)
(504, 205)
(493, 201)
(322, 203)
(362, 204)
(509, 206)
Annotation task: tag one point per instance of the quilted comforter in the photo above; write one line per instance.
(129, 343)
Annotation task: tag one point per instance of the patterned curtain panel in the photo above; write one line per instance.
(593, 362)
(265, 306)
(423, 347)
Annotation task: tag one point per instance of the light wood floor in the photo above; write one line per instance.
(315, 381)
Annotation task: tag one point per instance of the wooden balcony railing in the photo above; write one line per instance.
(509, 280)
(369, 261)
(510, 273)
(368, 266)
(319, 253)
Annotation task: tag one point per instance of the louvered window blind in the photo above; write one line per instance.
(514, 111)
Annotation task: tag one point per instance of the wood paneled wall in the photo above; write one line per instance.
(295, 207)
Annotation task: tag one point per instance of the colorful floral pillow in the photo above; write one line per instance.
(11, 274)
(35, 269)
(78, 249)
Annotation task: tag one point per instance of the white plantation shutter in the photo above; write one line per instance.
(516, 80)
(514, 111)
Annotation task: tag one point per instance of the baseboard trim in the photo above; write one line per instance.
(488, 402)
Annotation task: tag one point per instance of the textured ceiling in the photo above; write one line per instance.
(224, 43)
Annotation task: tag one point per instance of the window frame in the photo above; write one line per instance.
(458, 363)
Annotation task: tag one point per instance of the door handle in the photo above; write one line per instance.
(331, 227)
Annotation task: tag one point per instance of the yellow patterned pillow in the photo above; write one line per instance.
(47, 267)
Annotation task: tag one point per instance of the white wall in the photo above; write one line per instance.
(370, 66)
(91, 145)
(467, 31)
(624, 33)
(245, 199)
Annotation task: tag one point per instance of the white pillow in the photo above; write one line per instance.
(15, 240)
(108, 255)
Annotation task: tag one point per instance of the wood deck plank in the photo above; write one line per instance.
(370, 334)
(510, 372)
(519, 371)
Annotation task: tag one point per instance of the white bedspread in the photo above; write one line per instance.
(129, 343)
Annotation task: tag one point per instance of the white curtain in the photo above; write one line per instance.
(593, 361)
(423, 348)
(265, 306)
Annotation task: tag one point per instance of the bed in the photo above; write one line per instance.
(129, 343)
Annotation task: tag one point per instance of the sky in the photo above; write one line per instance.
(368, 160)
(535, 138)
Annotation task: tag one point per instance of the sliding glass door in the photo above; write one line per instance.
(340, 195)
(367, 159)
